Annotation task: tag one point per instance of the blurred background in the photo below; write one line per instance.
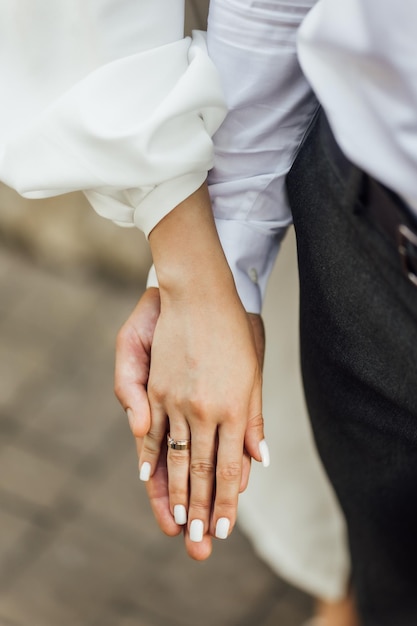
(78, 543)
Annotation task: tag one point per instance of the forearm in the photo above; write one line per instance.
(187, 253)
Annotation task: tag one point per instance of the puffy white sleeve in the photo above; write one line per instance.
(106, 97)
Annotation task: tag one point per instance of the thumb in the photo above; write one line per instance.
(255, 442)
(133, 354)
(130, 380)
(140, 415)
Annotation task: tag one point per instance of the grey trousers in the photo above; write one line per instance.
(358, 329)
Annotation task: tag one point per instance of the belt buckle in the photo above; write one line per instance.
(407, 247)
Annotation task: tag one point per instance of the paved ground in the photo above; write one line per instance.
(78, 544)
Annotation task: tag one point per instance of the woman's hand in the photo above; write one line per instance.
(204, 382)
(205, 379)
(204, 385)
(131, 381)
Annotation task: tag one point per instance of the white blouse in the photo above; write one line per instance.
(107, 97)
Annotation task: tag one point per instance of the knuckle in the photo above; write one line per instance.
(179, 458)
(156, 393)
(202, 468)
(196, 405)
(256, 422)
(200, 508)
(177, 494)
(227, 507)
(151, 443)
(231, 472)
(148, 450)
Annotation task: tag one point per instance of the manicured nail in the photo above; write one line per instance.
(196, 530)
(222, 528)
(145, 472)
(264, 452)
(180, 514)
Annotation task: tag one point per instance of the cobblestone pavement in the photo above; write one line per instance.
(78, 543)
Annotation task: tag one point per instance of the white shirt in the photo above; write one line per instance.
(105, 96)
(360, 56)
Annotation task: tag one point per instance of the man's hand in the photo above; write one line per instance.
(133, 356)
(133, 353)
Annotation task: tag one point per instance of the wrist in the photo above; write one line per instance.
(186, 250)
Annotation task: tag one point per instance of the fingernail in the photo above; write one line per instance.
(145, 472)
(180, 514)
(222, 528)
(196, 530)
(264, 452)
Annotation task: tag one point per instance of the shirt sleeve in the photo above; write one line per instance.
(106, 97)
(270, 105)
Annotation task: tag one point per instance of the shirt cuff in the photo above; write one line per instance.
(251, 254)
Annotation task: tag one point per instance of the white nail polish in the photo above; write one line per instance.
(180, 514)
(145, 472)
(264, 452)
(222, 528)
(196, 530)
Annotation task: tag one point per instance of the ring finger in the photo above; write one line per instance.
(178, 465)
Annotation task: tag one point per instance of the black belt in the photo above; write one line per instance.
(383, 207)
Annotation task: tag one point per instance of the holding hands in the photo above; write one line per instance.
(187, 365)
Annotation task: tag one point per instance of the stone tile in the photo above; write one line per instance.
(22, 360)
(21, 541)
(221, 590)
(13, 530)
(77, 575)
(121, 499)
(75, 413)
(65, 233)
(292, 608)
(7, 270)
(45, 302)
(7, 622)
(131, 620)
(30, 477)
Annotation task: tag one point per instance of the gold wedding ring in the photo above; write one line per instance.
(178, 444)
